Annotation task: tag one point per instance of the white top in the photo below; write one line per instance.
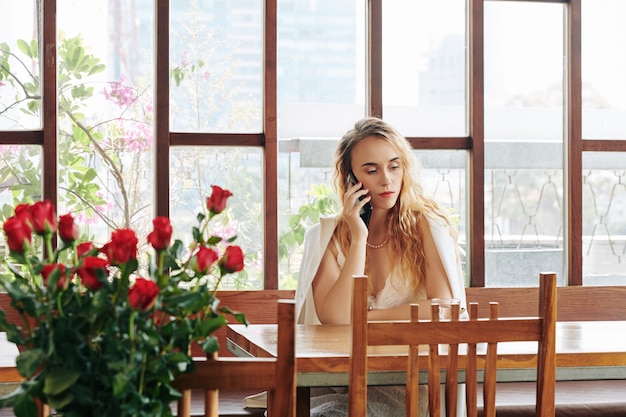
(316, 241)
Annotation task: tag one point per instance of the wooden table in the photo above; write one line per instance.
(586, 350)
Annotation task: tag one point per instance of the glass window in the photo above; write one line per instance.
(444, 177)
(20, 177)
(305, 191)
(193, 170)
(20, 89)
(604, 218)
(320, 67)
(523, 142)
(216, 56)
(603, 68)
(424, 67)
(105, 116)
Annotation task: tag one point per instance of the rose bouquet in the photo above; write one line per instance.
(96, 337)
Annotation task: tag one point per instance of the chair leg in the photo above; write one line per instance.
(211, 403)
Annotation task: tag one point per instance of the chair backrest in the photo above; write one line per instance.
(276, 375)
(452, 333)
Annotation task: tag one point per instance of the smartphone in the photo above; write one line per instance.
(366, 210)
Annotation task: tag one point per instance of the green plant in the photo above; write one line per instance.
(97, 338)
(96, 157)
(291, 239)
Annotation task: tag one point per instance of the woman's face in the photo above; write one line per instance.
(378, 166)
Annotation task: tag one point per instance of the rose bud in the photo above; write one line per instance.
(160, 237)
(18, 233)
(47, 271)
(84, 248)
(22, 211)
(217, 202)
(68, 230)
(90, 269)
(122, 247)
(204, 259)
(143, 294)
(44, 217)
(232, 261)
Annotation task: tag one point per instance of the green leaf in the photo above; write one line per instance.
(213, 240)
(197, 236)
(57, 402)
(188, 301)
(210, 345)
(210, 325)
(89, 175)
(59, 379)
(28, 361)
(34, 49)
(239, 316)
(180, 360)
(25, 407)
(22, 45)
(294, 220)
(96, 69)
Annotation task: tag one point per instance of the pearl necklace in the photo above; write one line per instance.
(369, 245)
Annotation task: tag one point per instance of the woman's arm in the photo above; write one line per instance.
(332, 285)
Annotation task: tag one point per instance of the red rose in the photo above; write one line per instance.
(68, 230)
(84, 248)
(204, 259)
(44, 217)
(160, 237)
(22, 211)
(18, 233)
(143, 294)
(217, 202)
(122, 247)
(232, 261)
(89, 271)
(48, 269)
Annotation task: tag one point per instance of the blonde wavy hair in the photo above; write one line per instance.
(404, 217)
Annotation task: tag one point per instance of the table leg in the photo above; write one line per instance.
(303, 401)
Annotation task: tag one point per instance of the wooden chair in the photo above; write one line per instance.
(453, 332)
(277, 375)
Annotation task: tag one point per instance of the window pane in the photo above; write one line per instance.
(193, 170)
(321, 67)
(444, 178)
(305, 191)
(523, 142)
(20, 92)
(105, 138)
(424, 68)
(604, 218)
(20, 178)
(603, 68)
(216, 56)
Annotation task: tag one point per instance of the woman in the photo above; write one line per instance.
(408, 248)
